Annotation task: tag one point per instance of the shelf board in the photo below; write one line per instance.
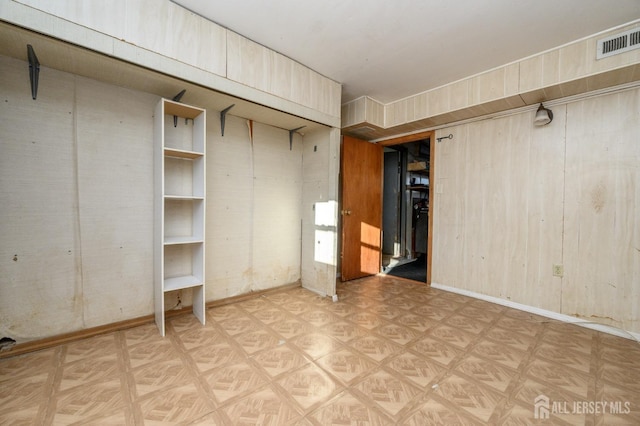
(181, 153)
(183, 197)
(170, 241)
(181, 110)
(178, 283)
(417, 166)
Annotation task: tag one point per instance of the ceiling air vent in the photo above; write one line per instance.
(618, 43)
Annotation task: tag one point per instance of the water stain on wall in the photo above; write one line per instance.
(598, 197)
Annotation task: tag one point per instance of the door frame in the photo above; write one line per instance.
(412, 138)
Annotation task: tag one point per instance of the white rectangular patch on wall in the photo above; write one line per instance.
(618, 43)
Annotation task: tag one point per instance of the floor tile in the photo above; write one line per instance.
(88, 348)
(397, 333)
(623, 377)
(316, 345)
(389, 351)
(95, 399)
(478, 313)
(419, 370)
(510, 338)
(162, 375)
(255, 341)
(309, 386)
(477, 400)
(200, 336)
(436, 350)
(346, 409)
(365, 319)
(499, 353)
(486, 372)
(150, 353)
(184, 404)
(560, 377)
(375, 347)
(237, 325)
(31, 364)
(207, 358)
(89, 370)
(453, 336)
(23, 392)
(344, 331)
(280, 360)
(346, 365)
(291, 327)
(567, 357)
(264, 407)
(210, 419)
(318, 317)
(271, 315)
(233, 381)
(464, 323)
(434, 413)
(221, 313)
(388, 392)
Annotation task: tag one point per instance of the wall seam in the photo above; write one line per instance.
(564, 203)
(78, 300)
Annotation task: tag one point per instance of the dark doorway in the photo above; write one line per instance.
(406, 209)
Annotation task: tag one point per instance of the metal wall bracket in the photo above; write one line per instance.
(445, 137)
(223, 115)
(34, 70)
(177, 99)
(291, 132)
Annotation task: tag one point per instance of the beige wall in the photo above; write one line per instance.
(320, 162)
(511, 200)
(76, 198)
(77, 203)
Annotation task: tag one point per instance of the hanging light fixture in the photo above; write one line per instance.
(543, 116)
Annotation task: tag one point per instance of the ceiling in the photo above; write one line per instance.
(389, 50)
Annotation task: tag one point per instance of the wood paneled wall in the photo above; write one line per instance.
(512, 200)
(602, 210)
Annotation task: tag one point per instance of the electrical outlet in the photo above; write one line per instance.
(558, 271)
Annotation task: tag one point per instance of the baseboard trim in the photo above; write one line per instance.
(251, 295)
(609, 329)
(49, 342)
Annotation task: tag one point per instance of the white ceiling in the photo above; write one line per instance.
(390, 49)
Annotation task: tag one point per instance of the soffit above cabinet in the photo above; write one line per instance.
(62, 56)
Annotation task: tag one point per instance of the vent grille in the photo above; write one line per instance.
(619, 43)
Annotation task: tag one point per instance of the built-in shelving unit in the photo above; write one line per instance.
(179, 150)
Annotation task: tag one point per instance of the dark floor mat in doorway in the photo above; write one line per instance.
(416, 270)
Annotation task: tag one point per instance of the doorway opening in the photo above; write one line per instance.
(405, 208)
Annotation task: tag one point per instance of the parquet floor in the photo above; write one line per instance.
(390, 351)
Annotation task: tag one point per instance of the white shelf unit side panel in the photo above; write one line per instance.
(158, 220)
(180, 204)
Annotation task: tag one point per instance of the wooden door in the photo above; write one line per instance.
(361, 210)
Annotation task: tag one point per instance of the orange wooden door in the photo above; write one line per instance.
(361, 210)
